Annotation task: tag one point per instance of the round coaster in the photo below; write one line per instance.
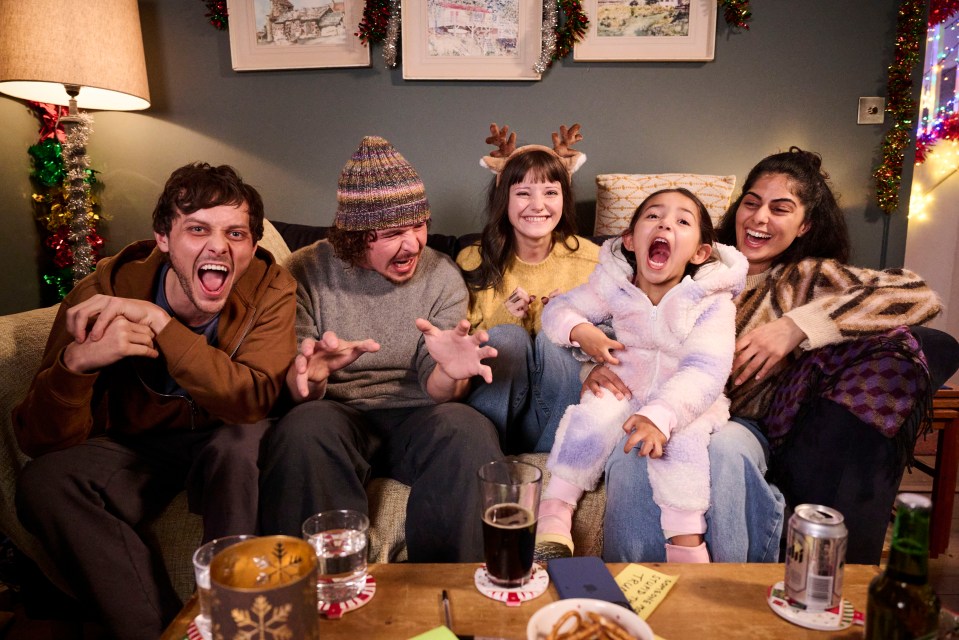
(835, 619)
(538, 581)
(335, 610)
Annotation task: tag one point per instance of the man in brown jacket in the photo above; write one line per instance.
(159, 373)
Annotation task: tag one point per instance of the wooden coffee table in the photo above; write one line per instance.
(708, 601)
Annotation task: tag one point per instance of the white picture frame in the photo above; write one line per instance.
(315, 34)
(447, 40)
(648, 30)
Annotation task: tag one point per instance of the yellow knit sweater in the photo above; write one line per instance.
(562, 269)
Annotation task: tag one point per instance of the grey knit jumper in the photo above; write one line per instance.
(357, 303)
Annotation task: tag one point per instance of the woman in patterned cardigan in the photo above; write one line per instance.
(826, 378)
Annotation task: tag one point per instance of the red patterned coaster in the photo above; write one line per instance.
(835, 619)
(538, 581)
(192, 633)
(335, 610)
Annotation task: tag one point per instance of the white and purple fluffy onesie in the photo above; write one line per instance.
(678, 356)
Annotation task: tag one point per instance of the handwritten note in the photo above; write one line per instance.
(439, 633)
(644, 588)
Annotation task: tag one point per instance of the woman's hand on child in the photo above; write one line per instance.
(594, 343)
(641, 429)
(602, 377)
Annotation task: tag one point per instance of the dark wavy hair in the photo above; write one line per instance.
(707, 234)
(351, 246)
(828, 236)
(200, 185)
(497, 242)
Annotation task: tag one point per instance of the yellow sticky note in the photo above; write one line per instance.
(644, 588)
(439, 633)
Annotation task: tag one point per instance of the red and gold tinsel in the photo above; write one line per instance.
(375, 22)
(736, 13)
(910, 33)
(941, 10)
(217, 14)
(51, 208)
(571, 29)
(946, 129)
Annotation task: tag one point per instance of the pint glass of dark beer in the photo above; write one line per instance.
(511, 491)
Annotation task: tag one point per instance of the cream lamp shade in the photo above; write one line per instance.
(91, 44)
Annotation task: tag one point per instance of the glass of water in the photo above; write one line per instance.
(340, 541)
(202, 558)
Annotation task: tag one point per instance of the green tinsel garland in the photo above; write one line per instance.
(910, 33)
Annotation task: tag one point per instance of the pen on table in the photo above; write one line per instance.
(446, 610)
(449, 620)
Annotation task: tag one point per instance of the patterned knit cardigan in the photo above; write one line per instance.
(835, 304)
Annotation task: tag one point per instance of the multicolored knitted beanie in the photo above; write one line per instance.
(379, 189)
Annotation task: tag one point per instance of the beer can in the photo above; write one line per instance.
(815, 557)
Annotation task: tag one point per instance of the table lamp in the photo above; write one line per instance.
(80, 54)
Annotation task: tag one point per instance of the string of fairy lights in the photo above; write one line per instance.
(937, 136)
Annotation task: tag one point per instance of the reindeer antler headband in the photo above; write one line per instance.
(506, 148)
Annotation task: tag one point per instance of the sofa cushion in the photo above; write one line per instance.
(273, 242)
(618, 195)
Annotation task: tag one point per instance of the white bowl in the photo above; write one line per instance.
(541, 623)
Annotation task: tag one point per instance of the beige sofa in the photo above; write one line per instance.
(176, 533)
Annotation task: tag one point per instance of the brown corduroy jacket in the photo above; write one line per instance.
(236, 382)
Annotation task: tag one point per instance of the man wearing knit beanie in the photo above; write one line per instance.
(384, 353)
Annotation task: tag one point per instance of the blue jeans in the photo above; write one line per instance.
(745, 518)
(534, 381)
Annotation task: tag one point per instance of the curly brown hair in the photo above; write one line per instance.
(200, 185)
(351, 246)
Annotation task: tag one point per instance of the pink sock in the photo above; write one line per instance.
(563, 490)
(555, 517)
(679, 553)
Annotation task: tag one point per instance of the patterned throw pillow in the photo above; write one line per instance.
(618, 195)
(274, 242)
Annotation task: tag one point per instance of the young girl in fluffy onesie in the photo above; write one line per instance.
(667, 291)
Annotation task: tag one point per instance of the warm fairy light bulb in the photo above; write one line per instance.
(918, 202)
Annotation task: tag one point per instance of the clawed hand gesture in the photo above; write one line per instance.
(307, 376)
(456, 352)
(519, 301)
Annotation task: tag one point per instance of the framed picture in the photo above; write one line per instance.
(296, 34)
(476, 40)
(648, 30)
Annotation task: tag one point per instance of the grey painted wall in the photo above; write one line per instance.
(794, 78)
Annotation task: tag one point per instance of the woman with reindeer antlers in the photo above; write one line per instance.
(528, 252)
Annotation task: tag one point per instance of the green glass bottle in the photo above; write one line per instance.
(901, 602)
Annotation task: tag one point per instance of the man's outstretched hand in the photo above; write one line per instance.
(456, 352)
(317, 359)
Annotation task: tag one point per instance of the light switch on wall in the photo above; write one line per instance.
(871, 110)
